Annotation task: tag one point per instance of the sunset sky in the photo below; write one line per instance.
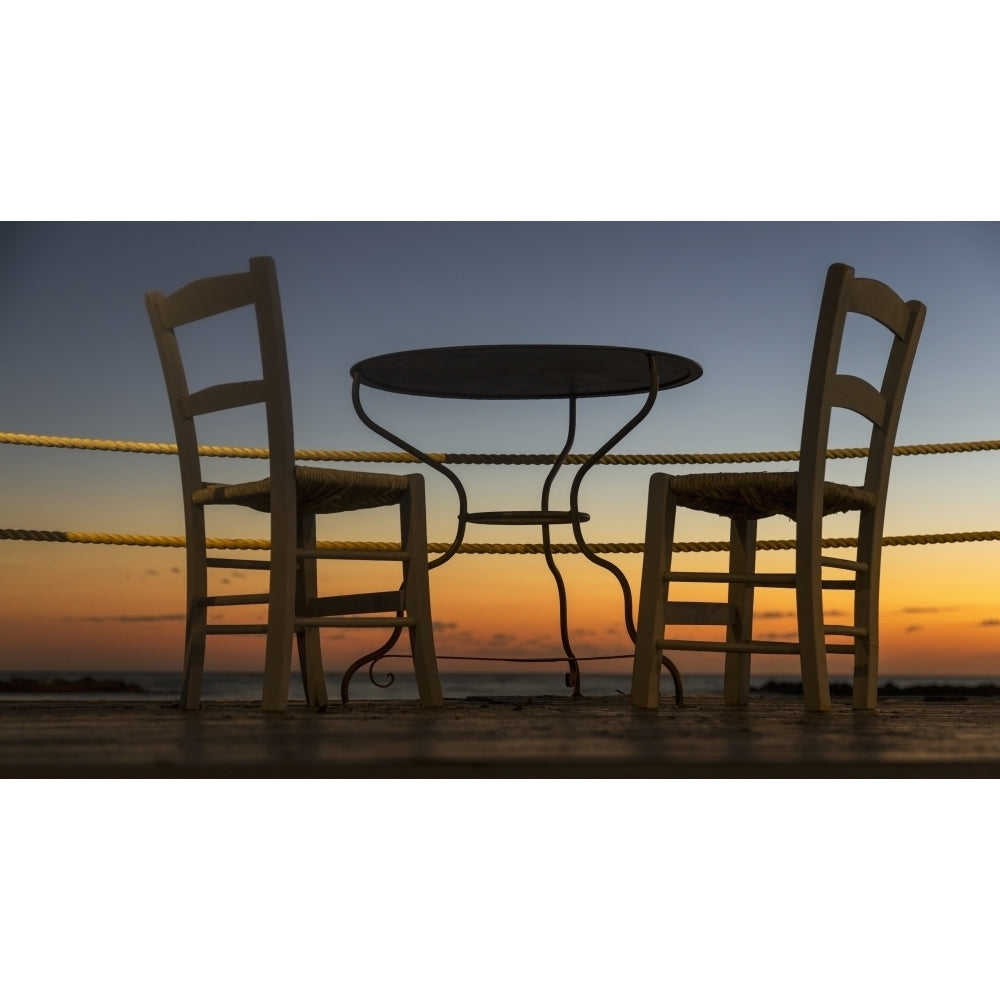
(739, 298)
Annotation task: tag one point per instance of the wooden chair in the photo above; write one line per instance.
(292, 496)
(806, 497)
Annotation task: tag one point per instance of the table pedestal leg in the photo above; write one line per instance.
(573, 675)
(574, 503)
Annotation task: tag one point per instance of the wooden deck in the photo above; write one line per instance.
(541, 737)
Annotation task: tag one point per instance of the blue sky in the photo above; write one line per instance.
(739, 298)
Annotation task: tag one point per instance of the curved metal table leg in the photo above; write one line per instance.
(463, 501)
(371, 658)
(463, 507)
(574, 502)
(573, 676)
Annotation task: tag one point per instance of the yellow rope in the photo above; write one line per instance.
(472, 548)
(711, 458)
(208, 450)
(174, 541)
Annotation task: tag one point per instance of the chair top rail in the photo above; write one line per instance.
(203, 298)
(879, 302)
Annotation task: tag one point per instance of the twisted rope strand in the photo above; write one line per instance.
(473, 548)
(458, 458)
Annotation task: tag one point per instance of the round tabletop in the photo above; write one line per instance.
(524, 371)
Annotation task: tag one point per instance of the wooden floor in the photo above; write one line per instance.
(592, 737)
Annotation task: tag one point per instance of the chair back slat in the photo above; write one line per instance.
(879, 302)
(226, 396)
(859, 395)
(204, 298)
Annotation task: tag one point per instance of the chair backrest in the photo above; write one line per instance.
(200, 300)
(828, 388)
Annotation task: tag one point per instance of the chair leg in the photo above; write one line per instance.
(661, 511)
(196, 622)
(416, 587)
(307, 639)
(194, 655)
(280, 609)
(865, 692)
(809, 610)
(866, 605)
(742, 559)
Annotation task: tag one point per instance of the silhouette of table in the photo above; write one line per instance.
(526, 372)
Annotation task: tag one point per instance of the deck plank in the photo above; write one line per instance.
(502, 737)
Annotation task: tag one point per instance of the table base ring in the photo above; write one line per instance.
(526, 517)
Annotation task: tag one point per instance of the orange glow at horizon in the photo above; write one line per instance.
(94, 607)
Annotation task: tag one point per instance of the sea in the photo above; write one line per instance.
(223, 685)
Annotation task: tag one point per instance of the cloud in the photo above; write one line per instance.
(500, 646)
(926, 611)
(459, 638)
(129, 619)
(764, 615)
(990, 622)
(914, 628)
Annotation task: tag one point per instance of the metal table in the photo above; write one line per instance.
(526, 372)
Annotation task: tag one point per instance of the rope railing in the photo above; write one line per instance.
(459, 458)
(473, 548)
(224, 451)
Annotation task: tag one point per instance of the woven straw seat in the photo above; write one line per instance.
(756, 495)
(807, 497)
(292, 497)
(317, 491)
